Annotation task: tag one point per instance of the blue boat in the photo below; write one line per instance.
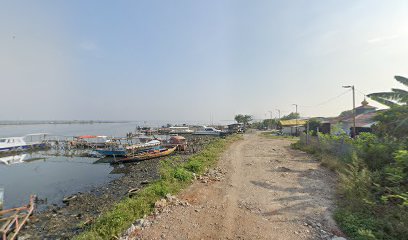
(112, 152)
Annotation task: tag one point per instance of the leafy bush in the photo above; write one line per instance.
(182, 174)
(376, 152)
(356, 225)
(372, 186)
(194, 165)
(355, 182)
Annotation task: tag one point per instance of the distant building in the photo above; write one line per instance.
(364, 119)
(365, 108)
(292, 127)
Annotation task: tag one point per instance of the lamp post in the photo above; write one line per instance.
(354, 109)
(296, 118)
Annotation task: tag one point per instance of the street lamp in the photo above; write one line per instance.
(296, 118)
(354, 110)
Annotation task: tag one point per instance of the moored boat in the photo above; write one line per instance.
(150, 154)
(21, 143)
(115, 150)
(180, 130)
(143, 146)
(208, 131)
(112, 151)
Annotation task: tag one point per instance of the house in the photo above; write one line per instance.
(364, 120)
(292, 127)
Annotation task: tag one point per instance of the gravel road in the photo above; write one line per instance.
(267, 191)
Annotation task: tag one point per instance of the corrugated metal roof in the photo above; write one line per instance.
(292, 122)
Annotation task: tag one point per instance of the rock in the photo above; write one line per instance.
(139, 222)
(146, 223)
(66, 200)
(24, 237)
(145, 182)
(197, 210)
(284, 169)
(162, 203)
(338, 238)
(171, 198)
(133, 191)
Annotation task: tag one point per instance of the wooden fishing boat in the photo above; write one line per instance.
(155, 153)
(116, 150)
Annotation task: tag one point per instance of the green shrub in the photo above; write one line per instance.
(355, 225)
(356, 182)
(182, 174)
(194, 165)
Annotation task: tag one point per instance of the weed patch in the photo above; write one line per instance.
(372, 191)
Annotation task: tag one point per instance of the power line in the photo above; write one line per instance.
(329, 100)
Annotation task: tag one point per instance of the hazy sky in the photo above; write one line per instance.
(195, 60)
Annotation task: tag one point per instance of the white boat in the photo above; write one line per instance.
(142, 146)
(13, 159)
(208, 131)
(180, 130)
(26, 142)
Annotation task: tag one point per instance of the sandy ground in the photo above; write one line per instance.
(269, 191)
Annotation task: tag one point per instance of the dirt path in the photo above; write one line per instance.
(269, 192)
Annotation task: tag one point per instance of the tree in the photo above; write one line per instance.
(290, 116)
(245, 119)
(392, 122)
(393, 98)
(314, 125)
(264, 124)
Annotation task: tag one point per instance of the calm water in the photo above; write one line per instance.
(53, 177)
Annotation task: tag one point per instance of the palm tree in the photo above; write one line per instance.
(396, 97)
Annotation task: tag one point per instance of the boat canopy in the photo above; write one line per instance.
(91, 136)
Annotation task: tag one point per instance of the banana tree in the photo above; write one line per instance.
(393, 98)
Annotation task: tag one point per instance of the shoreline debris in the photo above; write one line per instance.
(12, 220)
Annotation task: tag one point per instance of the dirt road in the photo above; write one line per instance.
(269, 191)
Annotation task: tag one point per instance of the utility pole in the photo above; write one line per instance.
(296, 118)
(270, 112)
(354, 109)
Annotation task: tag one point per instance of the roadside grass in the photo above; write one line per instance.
(359, 213)
(175, 175)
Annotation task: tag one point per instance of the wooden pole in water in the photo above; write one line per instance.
(1, 198)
